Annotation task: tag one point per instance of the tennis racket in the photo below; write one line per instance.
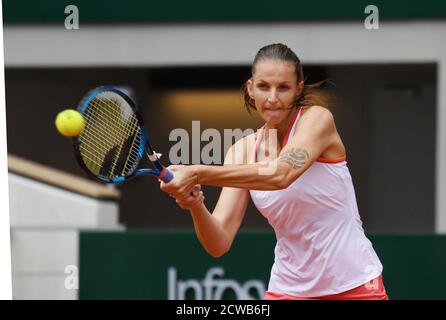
(114, 140)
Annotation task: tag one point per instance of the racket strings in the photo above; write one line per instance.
(95, 135)
(130, 128)
(108, 154)
(125, 130)
(130, 155)
(109, 118)
(122, 132)
(110, 141)
(95, 131)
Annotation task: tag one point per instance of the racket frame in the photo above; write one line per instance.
(144, 147)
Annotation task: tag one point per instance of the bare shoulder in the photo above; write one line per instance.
(318, 113)
(240, 151)
(319, 123)
(318, 117)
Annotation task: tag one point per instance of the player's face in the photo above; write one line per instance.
(274, 89)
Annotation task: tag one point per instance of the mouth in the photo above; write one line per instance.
(273, 110)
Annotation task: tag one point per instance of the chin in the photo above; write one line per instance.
(273, 120)
(275, 117)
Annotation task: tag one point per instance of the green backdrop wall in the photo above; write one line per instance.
(172, 264)
(112, 11)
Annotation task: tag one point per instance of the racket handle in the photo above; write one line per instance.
(166, 175)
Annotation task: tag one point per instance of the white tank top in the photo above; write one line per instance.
(321, 247)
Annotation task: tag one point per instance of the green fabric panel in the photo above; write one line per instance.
(134, 264)
(114, 11)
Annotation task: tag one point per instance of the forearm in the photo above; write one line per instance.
(209, 231)
(259, 176)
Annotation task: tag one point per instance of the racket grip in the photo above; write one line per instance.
(166, 175)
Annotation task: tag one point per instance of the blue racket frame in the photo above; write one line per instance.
(159, 170)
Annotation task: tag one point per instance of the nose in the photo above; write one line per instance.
(272, 97)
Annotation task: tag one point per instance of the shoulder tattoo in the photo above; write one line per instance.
(295, 157)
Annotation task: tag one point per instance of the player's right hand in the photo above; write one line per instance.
(195, 198)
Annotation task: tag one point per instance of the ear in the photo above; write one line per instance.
(300, 88)
(249, 86)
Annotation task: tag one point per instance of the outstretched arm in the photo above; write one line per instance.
(315, 132)
(217, 231)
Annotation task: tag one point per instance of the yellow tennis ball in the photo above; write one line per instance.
(69, 123)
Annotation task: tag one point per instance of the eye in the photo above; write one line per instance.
(283, 88)
(262, 86)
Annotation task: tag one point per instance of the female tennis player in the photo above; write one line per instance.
(305, 192)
